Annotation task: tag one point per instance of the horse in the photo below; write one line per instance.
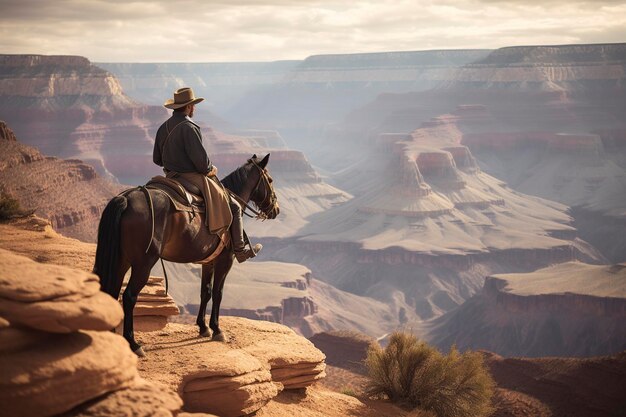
(141, 225)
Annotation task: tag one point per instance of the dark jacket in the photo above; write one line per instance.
(182, 151)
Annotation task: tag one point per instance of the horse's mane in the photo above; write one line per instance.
(237, 179)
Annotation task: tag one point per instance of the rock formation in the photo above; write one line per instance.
(554, 386)
(251, 353)
(286, 294)
(231, 379)
(77, 110)
(53, 358)
(300, 190)
(153, 307)
(569, 309)
(324, 88)
(222, 84)
(544, 119)
(427, 224)
(67, 192)
(65, 301)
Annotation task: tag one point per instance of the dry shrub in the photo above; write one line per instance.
(413, 373)
(9, 207)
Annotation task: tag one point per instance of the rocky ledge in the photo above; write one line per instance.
(569, 309)
(55, 359)
(235, 378)
(154, 306)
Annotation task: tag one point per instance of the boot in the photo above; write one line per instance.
(242, 252)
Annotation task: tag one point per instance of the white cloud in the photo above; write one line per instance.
(193, 31)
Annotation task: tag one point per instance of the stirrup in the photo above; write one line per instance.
(246, 254)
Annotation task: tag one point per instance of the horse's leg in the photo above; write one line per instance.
(223, 263)
(205, 297)
(138, 279)
(122, 269)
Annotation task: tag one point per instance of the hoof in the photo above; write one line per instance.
(139, 352)
(205, 333)
(219, 337)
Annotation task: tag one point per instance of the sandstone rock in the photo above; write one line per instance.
(153, 306)
(78, 110)
(53, 377)
(143, 399)
(53, 298)
(195, 415)
(568, 309)
(210, 377)
(242, 389)
(67, 192)
(233, 378)
(294, 361)
(14, 339)
(6, 133)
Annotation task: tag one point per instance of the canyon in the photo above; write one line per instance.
(427, 225)
(568, 309)
(409, 177)
(272, 291)
(67, 192)
(69, 108)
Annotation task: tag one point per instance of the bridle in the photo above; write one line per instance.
(269, 196)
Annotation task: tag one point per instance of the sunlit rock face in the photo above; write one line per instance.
(426, 224)
(69, 193)
(570, 309)
(69, 108)
(546, 120)
(287, 294)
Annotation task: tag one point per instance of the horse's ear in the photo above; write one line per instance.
(254, 156)
(265, 160)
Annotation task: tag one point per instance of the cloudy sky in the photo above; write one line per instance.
(267, 30)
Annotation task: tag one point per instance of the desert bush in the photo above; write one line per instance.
(349, 391)
(413, 373)
(9, 207)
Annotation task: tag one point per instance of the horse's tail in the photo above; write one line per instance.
(108, 250)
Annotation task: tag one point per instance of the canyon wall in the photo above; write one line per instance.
(427, 224)
(67, 192)
(569, 309)
(221, 84)
(546, 120)
(67, 107)
(284, 293)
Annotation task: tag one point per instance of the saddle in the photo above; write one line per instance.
(184, 195)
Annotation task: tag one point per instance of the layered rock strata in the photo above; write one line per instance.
(77, 110)
(301, 191)
(53, 358)
(243, 386)
(64, 301)
(236, 378)
(153, 307)
(67, 192)
(570, 309)
(430, 221)
(223, 84)
(287, 294)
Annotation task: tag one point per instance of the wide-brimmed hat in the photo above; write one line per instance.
(182, 97)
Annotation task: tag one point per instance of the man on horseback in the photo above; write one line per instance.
(178, 149)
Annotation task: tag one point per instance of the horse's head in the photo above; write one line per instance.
(262, 195)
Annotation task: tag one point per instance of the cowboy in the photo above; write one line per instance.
(178, 149)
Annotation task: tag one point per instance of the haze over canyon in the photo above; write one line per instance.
(476, 198)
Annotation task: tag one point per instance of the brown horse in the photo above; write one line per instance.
(142, 218)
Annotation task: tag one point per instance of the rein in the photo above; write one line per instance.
(259, 214)
(270, 197)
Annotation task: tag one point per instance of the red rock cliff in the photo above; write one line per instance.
(78, 110)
